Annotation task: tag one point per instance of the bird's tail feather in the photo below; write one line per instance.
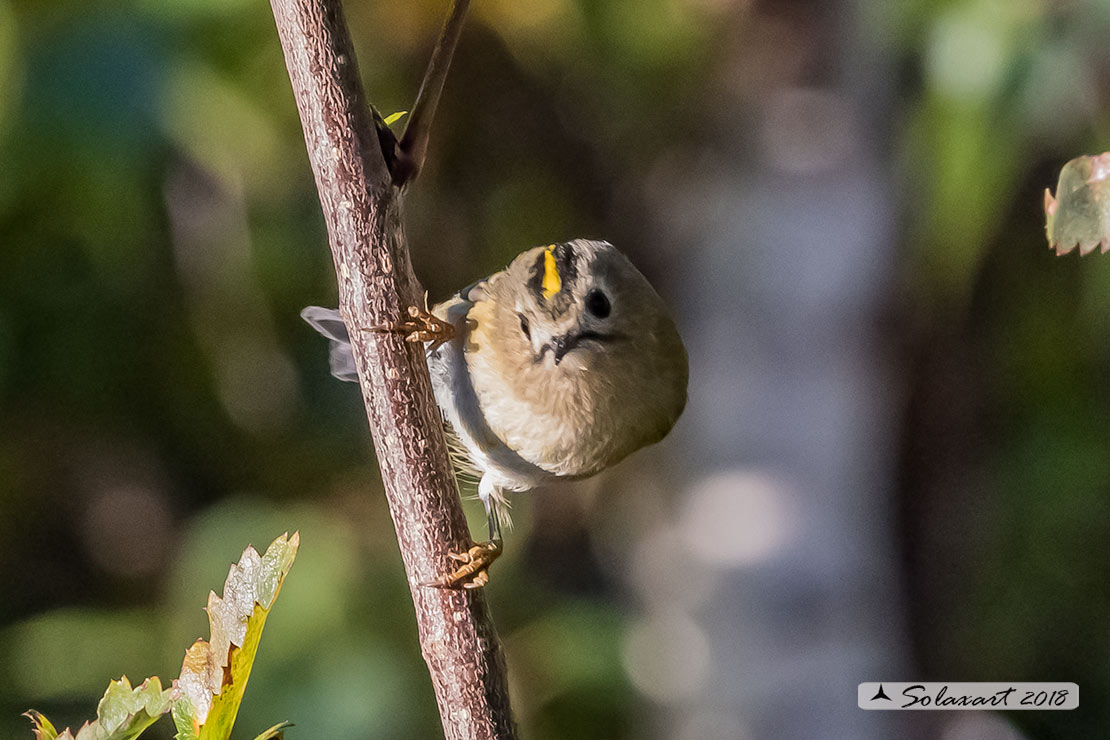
(330, 324)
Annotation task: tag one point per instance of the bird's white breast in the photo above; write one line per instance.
(461, 407)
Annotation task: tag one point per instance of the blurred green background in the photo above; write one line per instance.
(162, 405)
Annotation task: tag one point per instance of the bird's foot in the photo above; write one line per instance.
(473, 570)
(420, 326)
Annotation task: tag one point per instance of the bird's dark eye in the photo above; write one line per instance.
(524, 326)
(597, 304)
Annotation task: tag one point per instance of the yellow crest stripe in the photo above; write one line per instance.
(552, 283)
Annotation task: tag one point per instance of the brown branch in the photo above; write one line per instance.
(363, 213)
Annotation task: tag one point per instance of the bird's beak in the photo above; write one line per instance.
(561, 345)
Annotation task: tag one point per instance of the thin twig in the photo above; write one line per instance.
(413, 146)
(362, 210)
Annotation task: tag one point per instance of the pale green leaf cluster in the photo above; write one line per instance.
(205, 699)
(124, 713)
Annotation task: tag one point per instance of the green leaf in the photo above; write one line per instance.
(1079, 215)
(205, 698)
(184, 714)
(123, 714)
(394, 117)
(214, 674)
(275, 732)
(43, 729)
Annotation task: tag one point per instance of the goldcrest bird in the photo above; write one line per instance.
(554, 368)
